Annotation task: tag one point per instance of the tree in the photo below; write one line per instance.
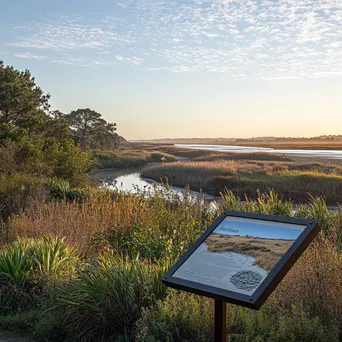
(90, 129)
(22, 103)
(105, 136)
(57, 114)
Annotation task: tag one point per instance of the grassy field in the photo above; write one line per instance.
(244, 177)
(267, 252)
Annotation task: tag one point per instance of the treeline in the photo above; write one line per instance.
(38, 145)
(24, 107)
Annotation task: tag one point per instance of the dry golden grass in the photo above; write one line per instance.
(267, 252)
(314, 284)
(329, 144)
(292, 180)
(79, 222)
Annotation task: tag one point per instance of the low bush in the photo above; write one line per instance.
(59, 189)
(27, 266)
(109, 296)
(41, 324)
(185, 317)
(16, 192)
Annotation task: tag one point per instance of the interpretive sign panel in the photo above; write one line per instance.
(242, 257)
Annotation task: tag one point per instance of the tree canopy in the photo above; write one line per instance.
(91, 130)
(22, 102)
(24, 106)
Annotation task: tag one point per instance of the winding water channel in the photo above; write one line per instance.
(130, 181)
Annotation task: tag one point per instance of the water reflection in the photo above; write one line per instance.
(122, 180)
(130, 181)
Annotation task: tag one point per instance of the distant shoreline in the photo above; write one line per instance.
(295, 144)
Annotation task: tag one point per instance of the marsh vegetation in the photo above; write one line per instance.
(267, 252)
(97, 264)
(80, 262)
(293, 180)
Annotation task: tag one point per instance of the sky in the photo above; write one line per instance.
(258, 228)
(185, 68)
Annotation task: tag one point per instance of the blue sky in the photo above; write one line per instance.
(194, 68)
(258, 228)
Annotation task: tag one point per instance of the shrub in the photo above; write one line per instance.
(59, 189)
(180, 317)
(67, 161)
(17, 190)
(107, 299)
(185, 317)
(20, 322)
(27, 265)
(41, 324)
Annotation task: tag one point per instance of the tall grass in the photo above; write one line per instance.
(293, 181)
(176, 219)
(129, 158)
(127, 242)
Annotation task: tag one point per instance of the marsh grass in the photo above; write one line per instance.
(166, 216)
(129, 158)
(293, 181)
(267, 252)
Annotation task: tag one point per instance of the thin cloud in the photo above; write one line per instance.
(28, 55)
(241, 39)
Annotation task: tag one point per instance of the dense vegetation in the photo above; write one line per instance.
(90, 271)
(81, 263)
(38, 146)
(246, 177)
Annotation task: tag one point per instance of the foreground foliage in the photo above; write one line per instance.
(113, 292)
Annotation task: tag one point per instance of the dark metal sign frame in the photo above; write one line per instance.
(274, 277)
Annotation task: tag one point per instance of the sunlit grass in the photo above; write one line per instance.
(293, 181)
(127, 242)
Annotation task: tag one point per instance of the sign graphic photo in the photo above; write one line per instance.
(242, 257)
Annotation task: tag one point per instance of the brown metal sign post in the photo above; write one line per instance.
(220, 321)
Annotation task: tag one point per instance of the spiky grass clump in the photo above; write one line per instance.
(109, 296)
(27, 265)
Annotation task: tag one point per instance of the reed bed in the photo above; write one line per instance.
(245, 177)
(129, 158)
(103, 211)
